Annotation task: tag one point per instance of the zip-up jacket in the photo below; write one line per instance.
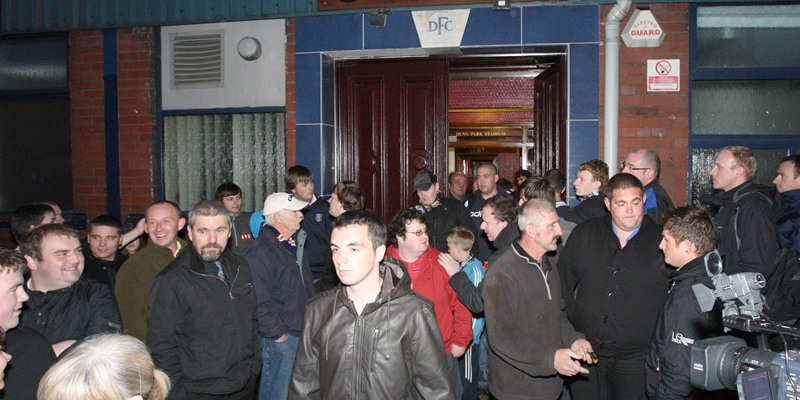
(283, 285)
(527, 323)
(591, 207)
(391, 351)
(614, 294)
(680, 324)
(448, 214)
(454, 319)
(202, 330)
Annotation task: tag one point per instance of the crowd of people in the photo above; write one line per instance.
(504, 291)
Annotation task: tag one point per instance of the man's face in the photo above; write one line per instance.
(415, 240)
(49, 218)
(627, 208)
(635, 165)
(353, 255)
(787, 180)
(104, 242)
(458, 186)
(427, 197)
(487, 181)
(547, 231)
(233, 204)
(209, 236)
(58, 218)
(304, 190)
(335, 207)
(675, 254)
(726, 173)
(12, 295)
(162, 225)
(490, 224)
(585, 184)
(290, 219)
(61, 264)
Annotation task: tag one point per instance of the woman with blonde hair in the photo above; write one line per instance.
(105, 367)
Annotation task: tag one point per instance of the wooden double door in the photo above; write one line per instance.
(392, 118)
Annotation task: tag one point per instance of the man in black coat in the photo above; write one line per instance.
(645, 164)
(203, 326)
(442, 213)
(615, 283)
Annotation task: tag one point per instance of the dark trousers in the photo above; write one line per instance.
(469, 368)
(612, 378)
(247, 393)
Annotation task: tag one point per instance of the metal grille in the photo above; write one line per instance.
(197, 60)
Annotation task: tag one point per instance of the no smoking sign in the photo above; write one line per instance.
(664, 75)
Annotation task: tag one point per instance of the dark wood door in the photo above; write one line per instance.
(392, 122)
(549, 136)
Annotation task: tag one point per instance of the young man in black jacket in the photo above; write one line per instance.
(203, 327)
(689, 234)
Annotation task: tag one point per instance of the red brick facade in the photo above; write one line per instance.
(659, 121)
(291, 102)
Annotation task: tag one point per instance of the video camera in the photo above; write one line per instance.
(725, 362)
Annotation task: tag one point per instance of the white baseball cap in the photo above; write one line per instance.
(282, 201)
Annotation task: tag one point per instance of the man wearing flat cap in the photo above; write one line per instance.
(442, 213)
(283, 283)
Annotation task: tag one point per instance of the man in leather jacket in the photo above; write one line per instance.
(371, 337)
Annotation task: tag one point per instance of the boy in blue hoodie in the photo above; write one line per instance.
(459, 244)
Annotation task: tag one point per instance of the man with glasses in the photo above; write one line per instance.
(408, 236)
(645, 164)
(748, 240)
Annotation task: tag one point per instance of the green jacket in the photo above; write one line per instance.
(133, 285)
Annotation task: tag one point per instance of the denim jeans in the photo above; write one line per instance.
(276, 371)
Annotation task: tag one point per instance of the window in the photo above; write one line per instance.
(203, 151)
(745, 85)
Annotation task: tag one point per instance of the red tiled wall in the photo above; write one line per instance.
(659, 121)
(136, 71)
(291, 102)
(87, 125)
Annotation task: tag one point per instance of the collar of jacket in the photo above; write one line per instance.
(520, 251)
(692, 269)
(791, 200)
(507, 236)
(196, 263)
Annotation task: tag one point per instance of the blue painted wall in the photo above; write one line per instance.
(575, 27)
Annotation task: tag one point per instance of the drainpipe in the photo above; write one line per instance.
(611, 128)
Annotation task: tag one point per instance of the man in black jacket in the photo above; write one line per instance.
(645, 164)
(61, 307)
(442, 213)
(371, 337)
(748, 239)
(615, 283)
(202, 327)
(689, 234)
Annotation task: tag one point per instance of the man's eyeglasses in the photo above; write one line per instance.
(631, 167)
(419, 233)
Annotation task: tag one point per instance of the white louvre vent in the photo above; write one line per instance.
(197, 60)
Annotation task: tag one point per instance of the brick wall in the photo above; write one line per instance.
(291, 102)
(136, 71)
(659, 121)
(87, 124)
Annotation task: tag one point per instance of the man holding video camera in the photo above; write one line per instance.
(689, 234)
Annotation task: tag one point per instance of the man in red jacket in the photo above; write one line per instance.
(408, 236)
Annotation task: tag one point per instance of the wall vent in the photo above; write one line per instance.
(197, 60)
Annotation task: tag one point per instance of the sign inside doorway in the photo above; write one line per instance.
(664, 75)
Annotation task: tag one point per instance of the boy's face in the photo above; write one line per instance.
(12, 295)
(304, 189)
(457, 252)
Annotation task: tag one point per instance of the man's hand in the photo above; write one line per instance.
(282, 338)
(449, 264)
(566, 363)
(458, 351)
(59, 347)
(584, 349)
